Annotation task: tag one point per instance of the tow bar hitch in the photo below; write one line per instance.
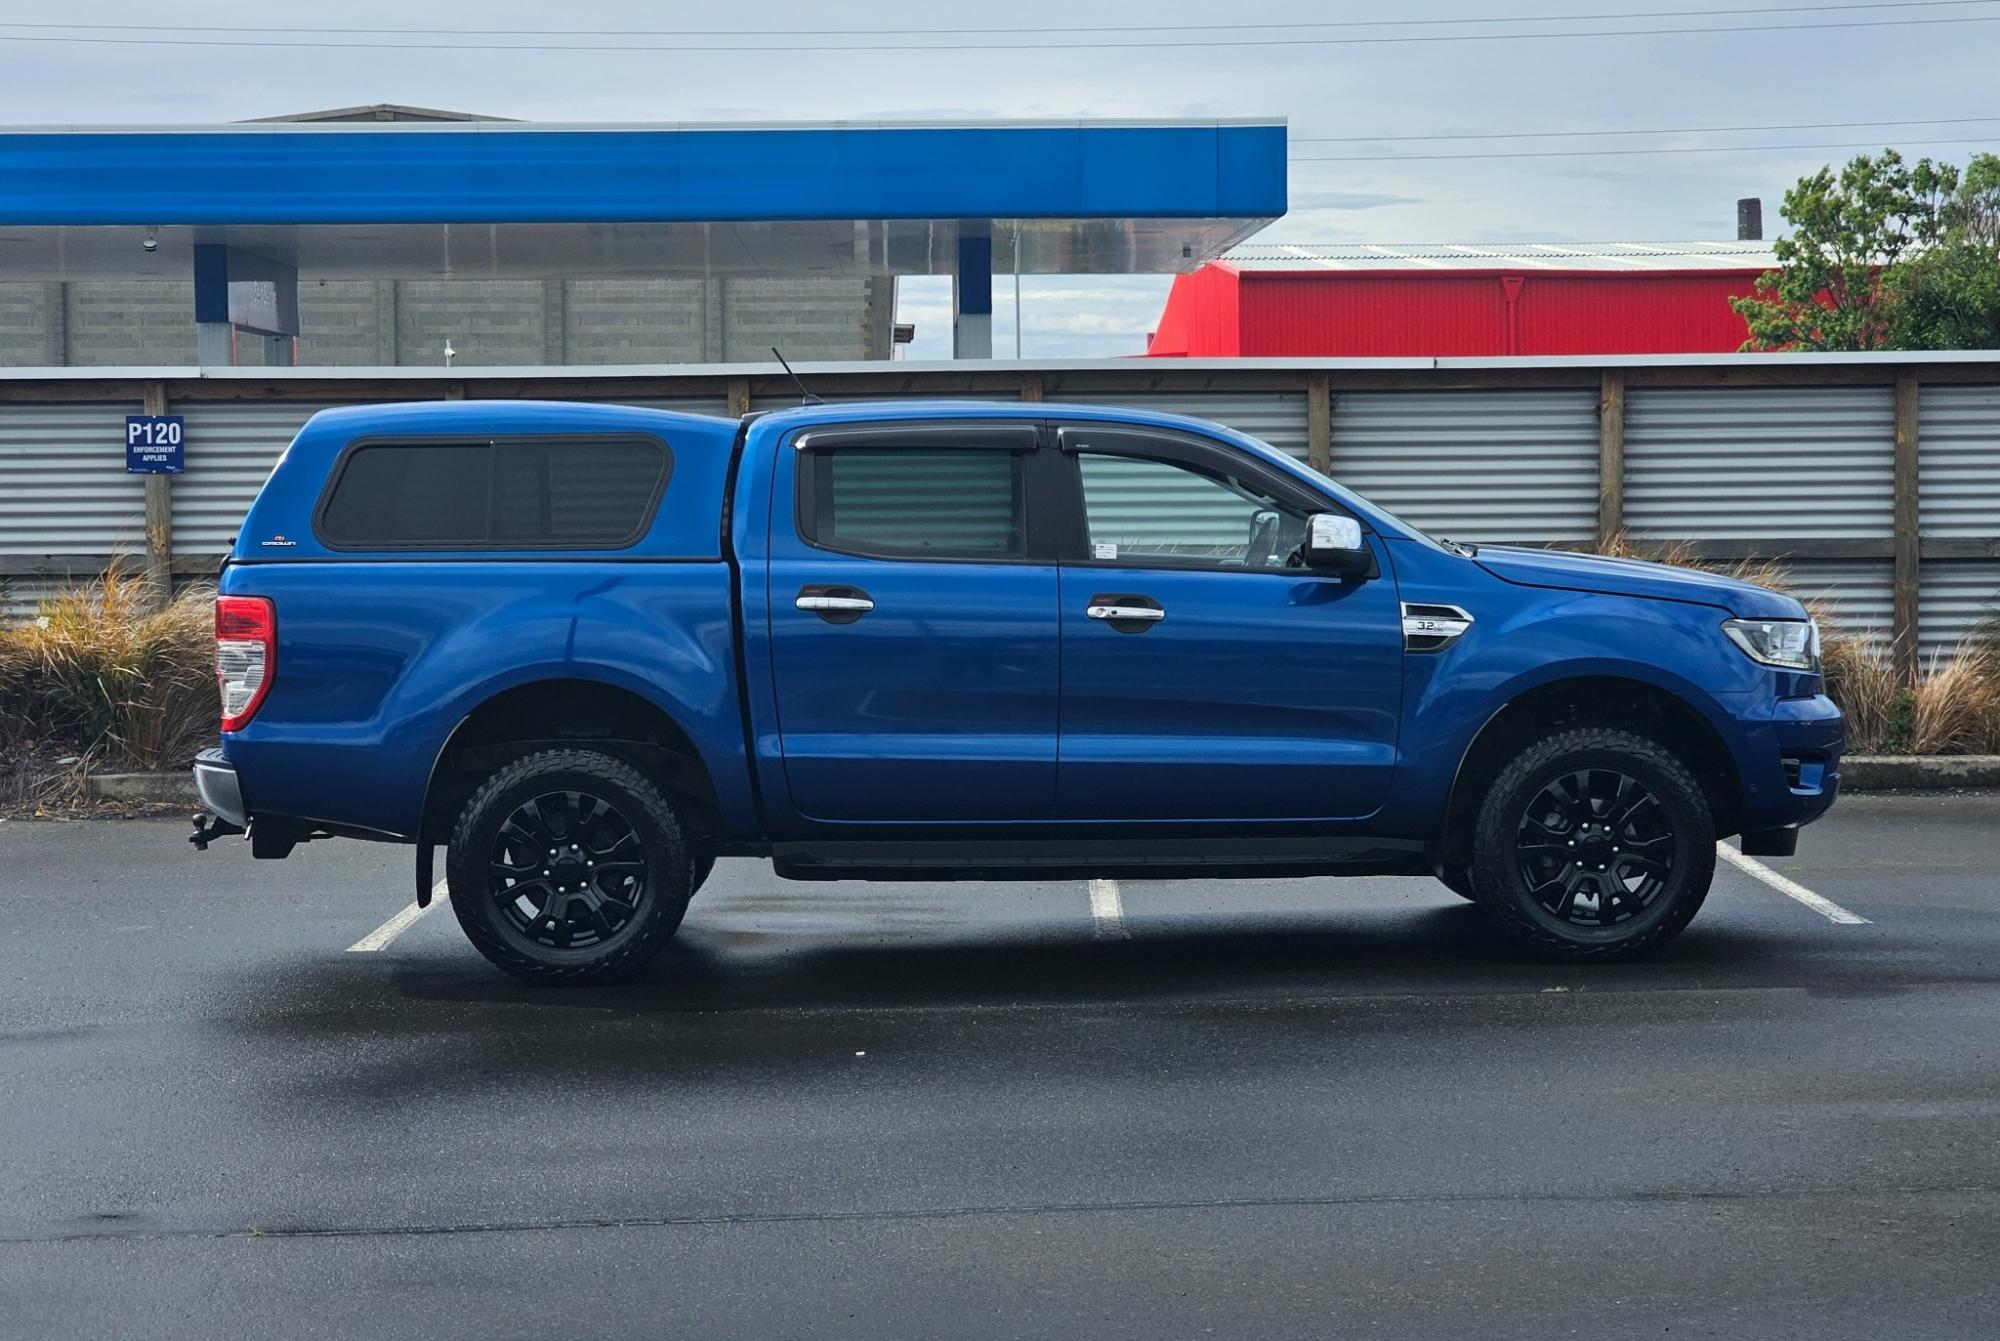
(208, 828)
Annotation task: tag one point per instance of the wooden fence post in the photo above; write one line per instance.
(1319, 423)
(739, 396)
(1907, 572)
(1610, 457)
(159, 517)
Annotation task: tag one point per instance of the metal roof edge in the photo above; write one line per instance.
(1872, 358)
(151, 372)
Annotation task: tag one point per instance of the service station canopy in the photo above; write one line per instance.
(479, 200)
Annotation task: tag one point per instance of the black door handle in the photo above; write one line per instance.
(1124, 611)
(834, 603)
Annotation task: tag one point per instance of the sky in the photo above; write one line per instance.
(1337, 84)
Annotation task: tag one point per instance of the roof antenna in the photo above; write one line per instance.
(805, 397)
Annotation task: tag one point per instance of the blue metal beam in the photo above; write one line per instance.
(972, 298)
(490, 173)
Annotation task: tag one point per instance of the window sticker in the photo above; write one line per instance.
(1102, 551)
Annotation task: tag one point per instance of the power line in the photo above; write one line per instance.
(1605, 153)
(764, 48)
(1672, 130)
(1316, 25)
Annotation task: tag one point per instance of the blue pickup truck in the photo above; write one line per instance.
(588, 649)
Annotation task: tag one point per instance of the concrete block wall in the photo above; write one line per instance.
(129, 322)
(388, 323)
(637, 320)
(829, 316)
(489, 322)
(347, 323)
(31, 325)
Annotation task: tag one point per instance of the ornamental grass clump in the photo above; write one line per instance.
(1862, 679)
(1955, 706)
(100, 673)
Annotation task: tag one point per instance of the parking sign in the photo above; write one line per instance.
(155, 444)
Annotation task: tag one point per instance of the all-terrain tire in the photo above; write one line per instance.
(1500, 886)
(660, 900)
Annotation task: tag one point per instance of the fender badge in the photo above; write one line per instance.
(279, 542)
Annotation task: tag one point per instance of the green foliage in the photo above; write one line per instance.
(1948, 295)
(1884, 255)
(1900, 727)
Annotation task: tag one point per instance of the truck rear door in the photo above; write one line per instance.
(913, 623)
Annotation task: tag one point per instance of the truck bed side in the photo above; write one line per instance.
(381, 656)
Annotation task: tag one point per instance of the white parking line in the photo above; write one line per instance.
(1107, 911)
(380, 938)
(1791, 889)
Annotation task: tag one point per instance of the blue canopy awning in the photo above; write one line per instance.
(428, 198)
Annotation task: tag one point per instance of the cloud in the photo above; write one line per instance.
(1326, 90)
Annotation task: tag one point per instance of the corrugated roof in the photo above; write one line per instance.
(1504, 255)
(378, 111)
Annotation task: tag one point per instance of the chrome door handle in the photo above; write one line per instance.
(1149, 614)
(834, 603)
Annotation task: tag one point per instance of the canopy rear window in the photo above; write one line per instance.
(509, 493)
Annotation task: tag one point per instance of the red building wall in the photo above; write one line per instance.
(1221, 312)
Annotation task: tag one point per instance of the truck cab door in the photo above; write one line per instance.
(1203, 676)
(913, 627)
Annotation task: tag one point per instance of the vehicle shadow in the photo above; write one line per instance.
(728, 1004)
(1443, 950)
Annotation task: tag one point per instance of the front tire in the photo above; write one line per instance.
(568, 866)
(1594, 844)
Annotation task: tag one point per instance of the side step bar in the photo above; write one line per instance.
(1087, 858)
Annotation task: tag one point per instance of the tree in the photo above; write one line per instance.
(1832, 288)
(1947, 296)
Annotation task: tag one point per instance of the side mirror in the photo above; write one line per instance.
(1334, 544)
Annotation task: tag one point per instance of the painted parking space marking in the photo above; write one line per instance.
(383, 936)
(1790, 888)
(1107, 911)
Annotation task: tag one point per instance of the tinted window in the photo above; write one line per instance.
(396, 497)
(516, 494)
(586, 494)
(921, 502)
(1159, 513)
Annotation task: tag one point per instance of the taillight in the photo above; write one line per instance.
(246, 650)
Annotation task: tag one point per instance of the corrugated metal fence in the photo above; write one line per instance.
(1474, 465)
(1739, 457)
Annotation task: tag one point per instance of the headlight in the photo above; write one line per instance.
(1791, 643)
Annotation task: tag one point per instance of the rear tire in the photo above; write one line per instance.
(568, 866)
(1594, 844)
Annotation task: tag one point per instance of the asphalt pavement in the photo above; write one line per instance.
(1238, 1109)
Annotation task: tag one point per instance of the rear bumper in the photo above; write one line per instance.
(221, 794)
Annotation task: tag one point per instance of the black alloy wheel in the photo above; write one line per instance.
(567, 870)
(1595, 847)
